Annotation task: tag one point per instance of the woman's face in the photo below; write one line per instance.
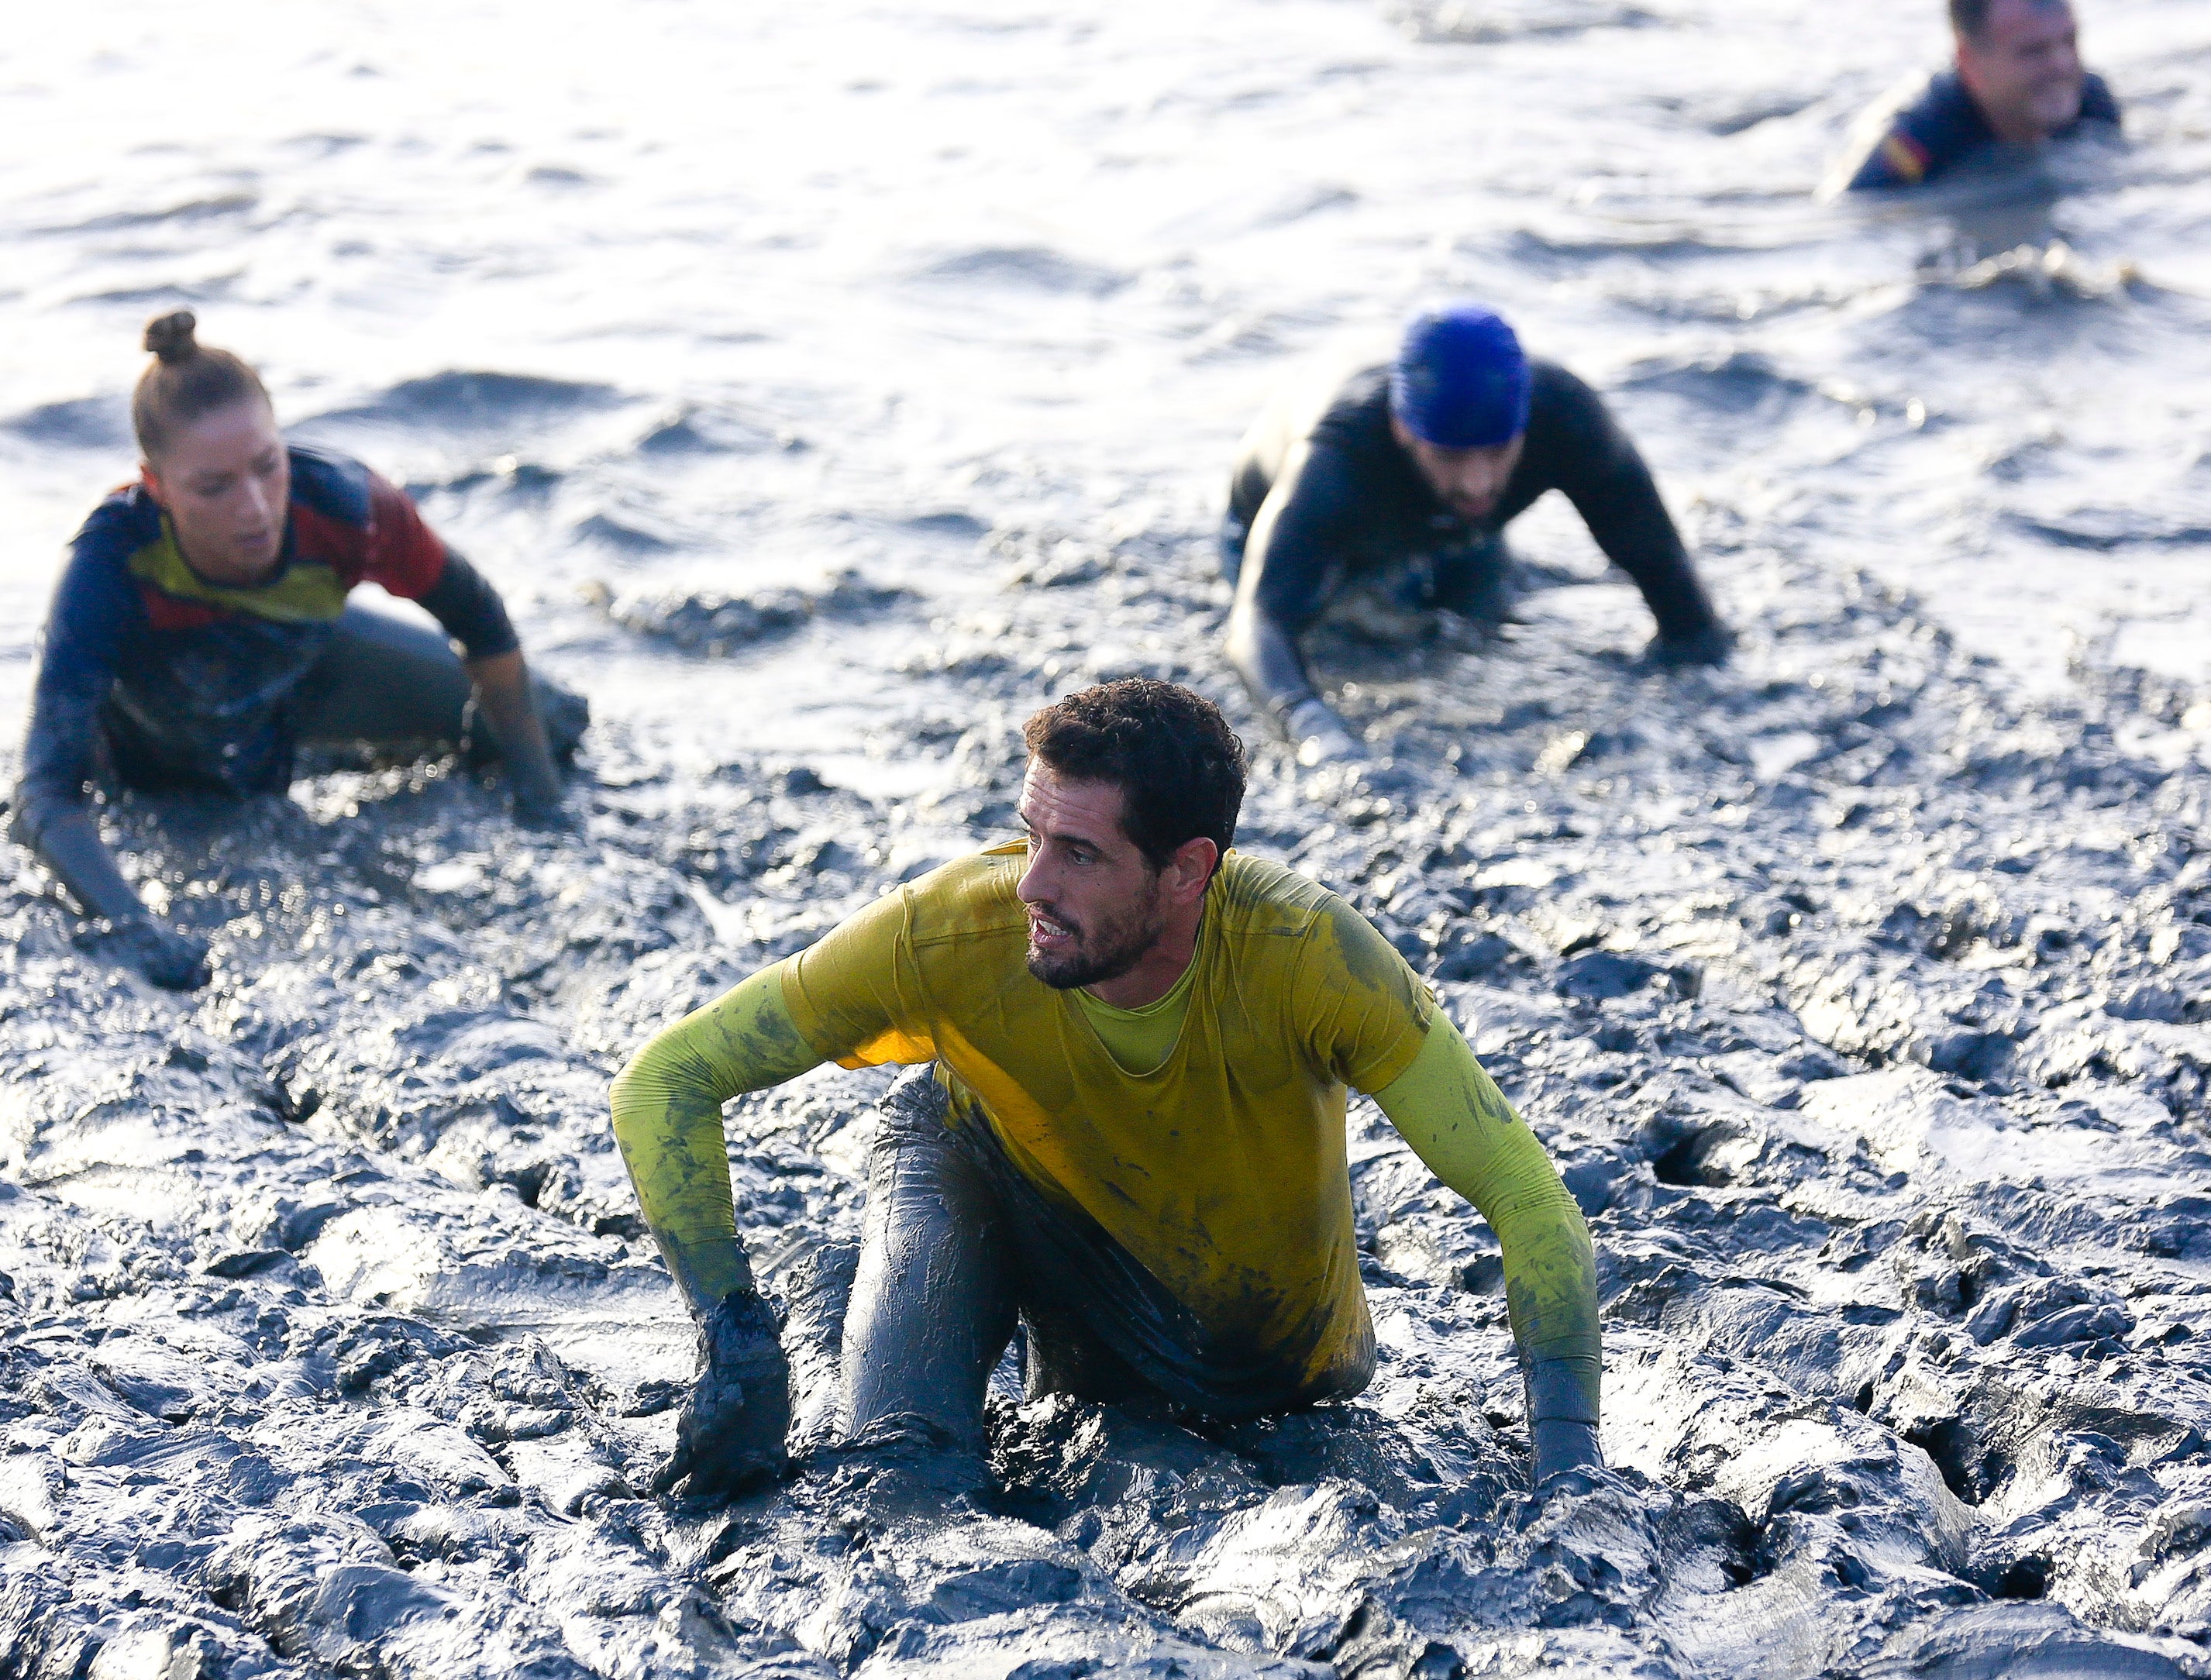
(227, 486)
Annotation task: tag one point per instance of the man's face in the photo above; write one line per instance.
(226, 485)
(1093, 899)
(1467, 481)
(2023, 69)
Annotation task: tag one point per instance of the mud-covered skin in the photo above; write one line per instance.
(1860, 1012)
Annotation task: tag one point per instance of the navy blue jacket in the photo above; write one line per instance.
(184, 681)
(1943, 128)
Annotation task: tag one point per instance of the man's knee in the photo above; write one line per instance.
(931, 1309)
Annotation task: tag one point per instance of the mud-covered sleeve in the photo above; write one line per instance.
(1456, 1120)
(95, 607)
(2097, 103)
(1362, 1011)
(463, 602)
(1597, 465)
(668, 1122)
(852, 993)
(1295, 550)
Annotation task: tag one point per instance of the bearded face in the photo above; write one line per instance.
(1095, 902)
(1087, 947)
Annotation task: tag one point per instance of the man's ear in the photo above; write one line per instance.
(151, 480)
(1191, 867)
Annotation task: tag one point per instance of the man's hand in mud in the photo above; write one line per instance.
(1562, 1444)
(175, 961)
(546, 813)
(1709, 646)
(730, 1437)
(1320, 736)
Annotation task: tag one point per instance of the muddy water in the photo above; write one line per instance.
(828, 389)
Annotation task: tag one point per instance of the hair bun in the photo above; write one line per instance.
(170, 336)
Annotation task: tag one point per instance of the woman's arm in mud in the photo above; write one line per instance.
(510, 710)
(668, 1121)
(67, 841)
(1457, 1121)
(469, 609)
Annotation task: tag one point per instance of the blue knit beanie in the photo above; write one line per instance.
(1461, 379)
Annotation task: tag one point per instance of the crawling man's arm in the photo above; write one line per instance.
(668, 1121)
(1459, 1123)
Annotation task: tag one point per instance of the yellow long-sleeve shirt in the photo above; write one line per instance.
(1218, 1165)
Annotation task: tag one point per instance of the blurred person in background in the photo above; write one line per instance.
(2017, 82)
(1404, 475)
(201, 632)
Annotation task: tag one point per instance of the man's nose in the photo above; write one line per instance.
(1035, 885)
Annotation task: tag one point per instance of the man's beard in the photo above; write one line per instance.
(1103, 950)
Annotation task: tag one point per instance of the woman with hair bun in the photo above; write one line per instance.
(200, 633)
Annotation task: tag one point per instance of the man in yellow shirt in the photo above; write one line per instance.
(1133, 1138)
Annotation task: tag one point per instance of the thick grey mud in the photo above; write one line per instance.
(1860, 1004)
(1859, 997)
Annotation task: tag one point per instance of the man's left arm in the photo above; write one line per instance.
(1459, 1123)
(1603, 476)
(2097, 103)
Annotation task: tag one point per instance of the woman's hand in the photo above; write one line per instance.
(510, 713)
(175, 961)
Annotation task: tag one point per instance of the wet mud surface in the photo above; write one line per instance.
(1861, 1007)
(1862, 991)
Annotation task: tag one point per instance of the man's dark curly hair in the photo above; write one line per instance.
(1179, 766)
(1971, 17)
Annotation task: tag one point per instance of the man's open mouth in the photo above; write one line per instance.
(1045, 930)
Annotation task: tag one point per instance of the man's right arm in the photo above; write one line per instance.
(668, 1121)
(1290, 562)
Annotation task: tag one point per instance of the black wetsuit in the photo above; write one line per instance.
(1944, 128)
(1355, 502)
(153, 673)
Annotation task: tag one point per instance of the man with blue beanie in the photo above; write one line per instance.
(1415, 468)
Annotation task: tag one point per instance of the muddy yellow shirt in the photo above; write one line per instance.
(1220, 1169)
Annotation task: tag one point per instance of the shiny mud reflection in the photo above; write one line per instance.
(1860, 990)
(1858, 1004)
